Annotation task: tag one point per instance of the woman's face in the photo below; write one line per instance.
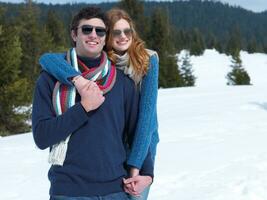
(122, 36)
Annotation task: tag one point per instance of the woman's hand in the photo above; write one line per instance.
(136, 185)
(79, 82)
(134, 172)
(130, 187)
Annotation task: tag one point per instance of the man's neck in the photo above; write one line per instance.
(90, 62)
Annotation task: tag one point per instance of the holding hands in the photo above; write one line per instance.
(137, 183)
(91, 96)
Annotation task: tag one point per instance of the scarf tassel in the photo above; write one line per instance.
(58, 153)
(64, 98)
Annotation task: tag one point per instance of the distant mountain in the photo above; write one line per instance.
(214, 17)
(209, 17)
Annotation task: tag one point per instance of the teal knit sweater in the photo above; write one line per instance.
(146, 135)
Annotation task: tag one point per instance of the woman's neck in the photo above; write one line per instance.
(120, 53)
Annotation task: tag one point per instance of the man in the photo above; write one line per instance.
(88, 132)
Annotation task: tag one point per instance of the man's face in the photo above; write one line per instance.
(90, 37)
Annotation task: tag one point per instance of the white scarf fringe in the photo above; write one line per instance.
(57, 155)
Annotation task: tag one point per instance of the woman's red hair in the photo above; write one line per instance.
(139, 57)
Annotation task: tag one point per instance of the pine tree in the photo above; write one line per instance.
(211, 41)
(169, 74)
(234, 43)
(197, 45)
(160, 41)
(186, 71)
(252, 46)
(218, 47)
(238, 75)
(34, 41)
(180, 39)
(135, 8)
(13, 87)
(56, 29)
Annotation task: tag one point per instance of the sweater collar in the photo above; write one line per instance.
(90, 62)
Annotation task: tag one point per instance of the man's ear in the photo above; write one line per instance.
(74, 35)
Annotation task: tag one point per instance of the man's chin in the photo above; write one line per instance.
(93, 54)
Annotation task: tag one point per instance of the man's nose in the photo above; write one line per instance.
(93, 33)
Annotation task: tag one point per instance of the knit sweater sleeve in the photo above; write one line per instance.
(49, 129)
(146, 117)
(56, 65)
(131, 110)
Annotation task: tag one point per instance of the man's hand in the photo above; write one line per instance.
(130, 187)
(91, 96)
(136, 185)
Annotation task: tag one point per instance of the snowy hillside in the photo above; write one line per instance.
(213, 140)
(212, 67)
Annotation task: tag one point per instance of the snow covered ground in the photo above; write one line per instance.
(213, 140)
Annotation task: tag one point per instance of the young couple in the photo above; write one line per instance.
(96, 111)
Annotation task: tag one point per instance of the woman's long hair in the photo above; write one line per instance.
(139, 57)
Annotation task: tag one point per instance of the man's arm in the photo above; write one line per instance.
(49, 129)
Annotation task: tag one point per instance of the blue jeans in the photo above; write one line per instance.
(144, 195)
(114, 196)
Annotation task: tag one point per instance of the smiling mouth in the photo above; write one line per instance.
(92, 42)
(122, 42)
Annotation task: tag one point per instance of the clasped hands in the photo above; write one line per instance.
(91, 96)
(136, 184)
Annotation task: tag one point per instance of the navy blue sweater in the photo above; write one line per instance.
(96, 155)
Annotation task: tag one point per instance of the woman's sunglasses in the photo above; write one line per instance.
(127, 32)
(88, 29)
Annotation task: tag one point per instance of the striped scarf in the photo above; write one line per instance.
(64, 96)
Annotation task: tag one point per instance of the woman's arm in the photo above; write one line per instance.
(56, 65)
(146, 124)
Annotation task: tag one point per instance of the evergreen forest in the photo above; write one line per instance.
(27, 30)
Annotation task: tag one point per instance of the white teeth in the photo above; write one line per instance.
(91, 43)
(122, 43)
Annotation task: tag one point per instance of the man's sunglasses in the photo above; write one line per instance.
(127, 32)
(88, 29)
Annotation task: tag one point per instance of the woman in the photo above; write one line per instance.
(126, 49)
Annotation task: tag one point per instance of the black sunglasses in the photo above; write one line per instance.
(88, 29)
(127, 32)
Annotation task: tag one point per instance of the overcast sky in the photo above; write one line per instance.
(254, 5)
